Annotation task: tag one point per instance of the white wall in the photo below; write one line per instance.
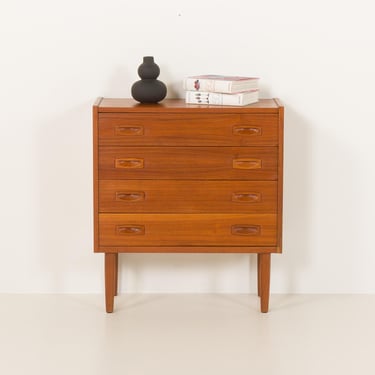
(57, 57)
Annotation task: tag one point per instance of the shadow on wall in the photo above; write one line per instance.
(297, 207)
(319, 171)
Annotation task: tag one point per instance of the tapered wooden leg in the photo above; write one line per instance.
(264, 269)
(116, 274)
(109, 271)
(259, 277)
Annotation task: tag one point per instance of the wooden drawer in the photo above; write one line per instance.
(206, 163)
(187, 196)
(187, 230)
(146, 129)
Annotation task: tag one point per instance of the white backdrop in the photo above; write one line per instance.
(56, 57)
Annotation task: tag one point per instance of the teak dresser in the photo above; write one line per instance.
(180, 178)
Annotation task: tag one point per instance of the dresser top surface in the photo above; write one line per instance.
(179, 106)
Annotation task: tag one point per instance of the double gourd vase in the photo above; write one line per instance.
(148, 89)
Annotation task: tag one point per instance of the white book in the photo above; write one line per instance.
(218, 83)
(214, 98)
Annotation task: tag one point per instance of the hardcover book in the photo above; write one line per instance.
(219, 83)
(214, 98)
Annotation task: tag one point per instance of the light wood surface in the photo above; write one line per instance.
(187, 229)
(201, 163)
(118, 105)
(264, 270)
(192, 196)
(192, 129)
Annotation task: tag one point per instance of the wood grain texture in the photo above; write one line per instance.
(280, 171)
(173, 196)
(203, 163)
(264, 270)
(115, 275)
(258, 276)
(118, 105)
(186, 229)
(188, 249)
(110, 274)
(148, 129)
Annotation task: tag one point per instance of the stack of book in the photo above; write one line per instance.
(221, 90)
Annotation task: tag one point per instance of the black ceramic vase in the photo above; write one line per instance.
(149, 89)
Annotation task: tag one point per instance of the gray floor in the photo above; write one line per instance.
(187, 334)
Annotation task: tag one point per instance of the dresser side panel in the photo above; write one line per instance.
(280, 178)
(95, 117)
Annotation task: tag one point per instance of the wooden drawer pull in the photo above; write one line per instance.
(130, 196)
(246, 130)
(245, 230)
(129, 130)
(246, 197)
(130, 230)
(247, 163)
(129, 163)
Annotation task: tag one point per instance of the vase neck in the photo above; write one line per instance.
(148, 59)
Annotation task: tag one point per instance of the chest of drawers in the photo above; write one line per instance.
(174, 177)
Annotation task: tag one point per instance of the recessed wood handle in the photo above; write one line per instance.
(129, 130)
(130, 229)
(129, 163)
(245, 230)
(246, 130)
(247, 163)
(246, 197)
(130, 196)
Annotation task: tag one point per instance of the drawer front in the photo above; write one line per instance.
(187, 230)
(187, 196)
(206, 163)
(146, 129)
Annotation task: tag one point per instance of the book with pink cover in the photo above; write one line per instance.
(220, 83)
